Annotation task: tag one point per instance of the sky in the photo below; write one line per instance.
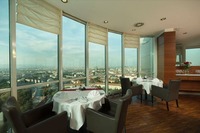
(4, 38)
(35, 47)
(39, 48)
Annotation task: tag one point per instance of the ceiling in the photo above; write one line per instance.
(183, 16)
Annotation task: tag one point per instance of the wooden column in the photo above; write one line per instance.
(166, 56)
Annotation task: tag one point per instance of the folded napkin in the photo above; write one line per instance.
(160, 84)
(92, 94)
(155, 80)
(83, 99)
(139, 80)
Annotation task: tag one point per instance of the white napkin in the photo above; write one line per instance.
(139, 80)
(155, 80)
(83, 99)
(92, 94)
(160, 84)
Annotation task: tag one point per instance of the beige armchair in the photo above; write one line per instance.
(168, 93)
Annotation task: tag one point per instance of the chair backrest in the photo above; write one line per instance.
(125, 84)
(13, 115)
(173, 86)
(122, 108)
(137, 90)
(11, 101)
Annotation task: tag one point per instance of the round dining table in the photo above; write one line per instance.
(147, 83)
(75, 102)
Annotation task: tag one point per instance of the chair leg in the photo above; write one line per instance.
(145, 95)
(152, 99)
(177, 103)
(124, 129)
(167, 106)
(4, 118)
(141, 98)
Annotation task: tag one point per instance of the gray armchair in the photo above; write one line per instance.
(169, 93)
(110, 119)
(137, 90)
(40, 119)
(125, 84)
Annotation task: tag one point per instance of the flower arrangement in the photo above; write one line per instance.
(187, 64)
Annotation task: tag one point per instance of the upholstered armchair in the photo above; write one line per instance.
(40, 119)
(137, 90)
(125, 84)
(111, 118)
(169, 93)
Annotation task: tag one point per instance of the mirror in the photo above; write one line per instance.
(179, 55)
(192, 55)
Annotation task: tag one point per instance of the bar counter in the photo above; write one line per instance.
(189, 82)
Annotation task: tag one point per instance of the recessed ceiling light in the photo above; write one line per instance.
(139, 24)
(162, 19)
(64, 1)
(105, 21)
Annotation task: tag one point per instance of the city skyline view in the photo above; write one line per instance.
(37, 55)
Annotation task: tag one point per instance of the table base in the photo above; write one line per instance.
(83, 129)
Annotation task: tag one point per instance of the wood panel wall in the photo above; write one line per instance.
(166, 47)
(160, 57)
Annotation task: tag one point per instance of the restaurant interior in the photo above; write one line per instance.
(94, 66)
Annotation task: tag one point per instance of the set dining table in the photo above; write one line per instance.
(147, 83)
(75, 102)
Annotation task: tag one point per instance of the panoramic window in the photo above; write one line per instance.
(130, 65)
(4, 45)
(114, 61)
(97, 65)
(146, 56)
(178, 59)
(4, 61)
(37, 58)
(73, 53)
(192, 56)
(29, 98)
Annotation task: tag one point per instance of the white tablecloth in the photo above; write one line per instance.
(74, 103)
(147, 84)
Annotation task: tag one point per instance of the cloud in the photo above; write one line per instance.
(35, 47)
(36, 41)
